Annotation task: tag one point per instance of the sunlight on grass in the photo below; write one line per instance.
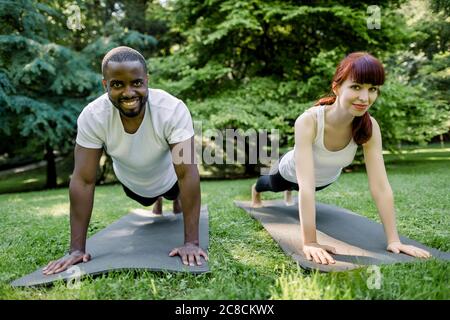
(315, 286)
(435, 158)
(57, 210)
(30, 180)
(427, 150)
(245, 262)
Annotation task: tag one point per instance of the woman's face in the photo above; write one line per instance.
(355, 97)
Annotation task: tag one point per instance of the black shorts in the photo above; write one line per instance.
(276, 183)
(172, 194)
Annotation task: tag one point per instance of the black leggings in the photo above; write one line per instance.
(276, 183)
(172, 194)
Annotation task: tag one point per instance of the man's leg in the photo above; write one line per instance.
(142, 200)
(177, 208)
(174, 195)
(157, 207)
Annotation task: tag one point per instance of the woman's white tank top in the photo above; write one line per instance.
(327, 164)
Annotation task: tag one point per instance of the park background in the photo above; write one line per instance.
(250, 64)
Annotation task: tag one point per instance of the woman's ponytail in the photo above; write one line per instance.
(362, 128)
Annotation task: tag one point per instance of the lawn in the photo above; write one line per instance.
(245, 262)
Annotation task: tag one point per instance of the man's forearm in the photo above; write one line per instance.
(81, 203)
(190, 201)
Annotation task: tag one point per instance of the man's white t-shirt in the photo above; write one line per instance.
(142, 161)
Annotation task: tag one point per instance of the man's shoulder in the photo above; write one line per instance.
(98, 108)
(160, 99)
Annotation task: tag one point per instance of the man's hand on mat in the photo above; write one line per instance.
(397, 247)
(318, 253)
(190, 253)
(65, 262)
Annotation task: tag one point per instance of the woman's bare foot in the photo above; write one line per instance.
(177, 206)
(157, 207)
(288, 198)
(256, 198)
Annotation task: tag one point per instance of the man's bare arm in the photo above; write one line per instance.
(81, 192)
(189, 183)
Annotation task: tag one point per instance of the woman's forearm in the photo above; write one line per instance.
(384, 201)
(307, 213)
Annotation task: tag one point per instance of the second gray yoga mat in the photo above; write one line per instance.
(139, 240)
(358, 240)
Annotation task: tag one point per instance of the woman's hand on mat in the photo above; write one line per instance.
(397, 247)
(319, 253)
(62, 264)
(190, 254)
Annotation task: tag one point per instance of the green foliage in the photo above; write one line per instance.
(237, 51)
(44, 86)
(48, 72)
(405, 113)
(266, 38)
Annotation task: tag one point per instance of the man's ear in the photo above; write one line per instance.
(104, 84)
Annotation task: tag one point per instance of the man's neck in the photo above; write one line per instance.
(131, 125)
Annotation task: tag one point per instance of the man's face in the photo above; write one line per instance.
(126, 83)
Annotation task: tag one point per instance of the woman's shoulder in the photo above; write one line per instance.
(309, 116)
(306, 123)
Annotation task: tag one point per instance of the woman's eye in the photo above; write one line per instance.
(373, 89)
(138, 83)
(355, 87)
(115, 85)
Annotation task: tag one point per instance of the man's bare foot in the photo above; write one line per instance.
(157, 207)
(288, 198)
(177, 206)
(256, 198)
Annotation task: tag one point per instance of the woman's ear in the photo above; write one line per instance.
(104, 84)
(335, 88)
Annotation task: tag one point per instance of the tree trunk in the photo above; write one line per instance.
(51, 167)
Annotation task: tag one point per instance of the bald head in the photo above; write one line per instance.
(122, 54)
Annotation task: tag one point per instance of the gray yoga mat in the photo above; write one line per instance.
(139, 240)
(358, 240)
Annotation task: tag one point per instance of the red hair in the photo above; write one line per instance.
(362, 68)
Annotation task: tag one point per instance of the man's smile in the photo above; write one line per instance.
(130, 103)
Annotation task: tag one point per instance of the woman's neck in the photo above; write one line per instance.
(338, 117)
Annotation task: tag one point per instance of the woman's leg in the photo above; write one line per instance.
(288, 198)
(275, 183)
(256, 197)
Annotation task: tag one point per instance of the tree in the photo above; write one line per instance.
(43, 85)
(49, 72)
(259, 64)
(229, 40)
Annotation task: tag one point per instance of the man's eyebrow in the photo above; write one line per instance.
(120, 81)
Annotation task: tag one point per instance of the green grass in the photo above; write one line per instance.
(245, 262)
(35, 179)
